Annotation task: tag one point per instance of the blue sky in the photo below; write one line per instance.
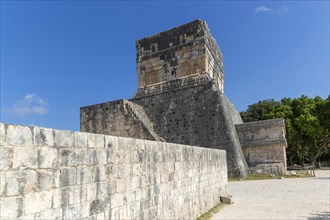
(57, 56)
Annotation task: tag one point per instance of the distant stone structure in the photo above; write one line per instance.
(263, 142)
(180, 99)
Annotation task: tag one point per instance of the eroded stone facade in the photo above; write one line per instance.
(56, 174)
(180, 96)
(263, 142)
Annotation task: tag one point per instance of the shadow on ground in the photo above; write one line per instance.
(320, 216)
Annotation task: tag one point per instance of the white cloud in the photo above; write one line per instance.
(273, 11)
(30, 104)
(262, 9)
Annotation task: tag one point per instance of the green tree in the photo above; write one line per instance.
(307, 123)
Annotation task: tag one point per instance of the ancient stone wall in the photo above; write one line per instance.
(196, 115)
(185, 111)
(187, 50)
(263, 142)
(113, 118)
(56, 174)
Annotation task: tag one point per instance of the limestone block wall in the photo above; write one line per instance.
(56, 174)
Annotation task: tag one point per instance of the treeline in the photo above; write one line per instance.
(307, 122)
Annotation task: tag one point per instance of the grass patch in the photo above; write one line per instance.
(208, 215)
(257, 176)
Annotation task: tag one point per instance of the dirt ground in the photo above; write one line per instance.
(294, 198)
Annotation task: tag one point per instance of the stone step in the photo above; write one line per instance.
(140, 114)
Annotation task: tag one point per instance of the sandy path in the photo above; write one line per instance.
(297, 198)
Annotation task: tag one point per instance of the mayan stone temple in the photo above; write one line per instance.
(180, 99)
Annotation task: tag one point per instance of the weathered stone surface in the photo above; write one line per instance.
(98, 205)
(128, 178)
(117, 200)
(21, 181)
(57, 198)
(19, 136)
(68, 177)
(95, 140)
(64, 138)
(25, 157)
(179, 99)
(49, 214)
(80, 139)
(37, 201)
(73, 212)
(72, 157)
(2, 183)
(2, 134)
(45, 179)
(263, 142)
(97, 156)
(84, 175)
(11, 207)
(48, 157)
(5, 157)
(43, 136)
(226, 199)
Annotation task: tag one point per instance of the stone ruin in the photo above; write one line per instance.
(180, 99)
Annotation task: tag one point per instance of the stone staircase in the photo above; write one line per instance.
(140, 114)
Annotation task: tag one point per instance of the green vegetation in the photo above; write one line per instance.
(208, 215)
(262, 176)
(307, 122)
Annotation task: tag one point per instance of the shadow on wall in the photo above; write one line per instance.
(320, 216)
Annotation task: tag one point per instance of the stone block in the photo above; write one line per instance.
(43, 136)
(95, 140)
(99, 173)
(45, 179)
(100, 216)
(80, 139)
(99, 205)
(91, 191)
(121, 186)
(21, 181)
(84, 175)
(27, 217)
(133, 208)
(37, 201)
(111, 144)
(129, 197)
(97, 156)
(101, 189)
(5, 157)
(2, 183)
(48, 157)
(57, 198)
(11, 207)
(19, 136)
(55, 214)
(72, 157)
(73, 212)
(117, 200)
(75, 194)
(64, 138)
(25, 157)
(112, 186)
(68, 176)
(2, 134)
(115, 213)
(226, 199)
